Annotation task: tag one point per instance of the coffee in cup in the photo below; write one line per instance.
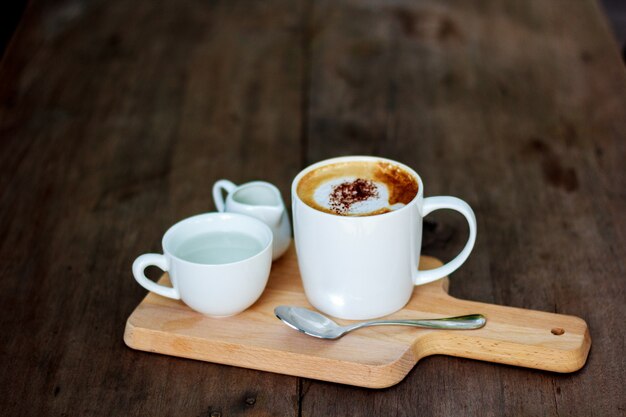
(357, 188)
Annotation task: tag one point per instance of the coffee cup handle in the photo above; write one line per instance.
(160, 261)
(218, 198)
(452, 203)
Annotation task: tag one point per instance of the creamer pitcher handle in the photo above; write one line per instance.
(435, 203)
(218, 197)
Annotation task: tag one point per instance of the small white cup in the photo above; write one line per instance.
(361, 268)
(258, 199)
(214, 289)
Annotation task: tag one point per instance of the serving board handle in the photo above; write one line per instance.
(513, 336)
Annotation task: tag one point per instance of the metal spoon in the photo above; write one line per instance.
(317, 325)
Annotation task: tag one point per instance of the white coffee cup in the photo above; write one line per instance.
(366, 267)
(221, 285)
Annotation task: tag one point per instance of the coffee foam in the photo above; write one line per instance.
(357, 188)
(378, 203)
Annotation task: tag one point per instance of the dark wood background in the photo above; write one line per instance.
(10, 14)
(116, 118)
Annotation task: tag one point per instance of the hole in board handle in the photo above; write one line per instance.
(558, 331)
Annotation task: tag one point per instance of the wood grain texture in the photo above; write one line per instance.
(517, 108)
(375, 357)
(116, 117)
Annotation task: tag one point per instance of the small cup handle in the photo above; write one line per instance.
(444, 202)
(218, 198)
(158, 260)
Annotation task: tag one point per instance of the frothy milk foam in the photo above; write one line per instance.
(357, 188)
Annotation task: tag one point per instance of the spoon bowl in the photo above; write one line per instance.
(317, 325)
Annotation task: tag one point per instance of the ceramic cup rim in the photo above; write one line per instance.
(366, 158)
(220, 216)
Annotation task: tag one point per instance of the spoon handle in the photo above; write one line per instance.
(471, 321)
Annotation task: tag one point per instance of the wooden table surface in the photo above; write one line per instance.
(116, 117)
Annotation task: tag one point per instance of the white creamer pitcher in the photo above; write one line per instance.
(258, 199)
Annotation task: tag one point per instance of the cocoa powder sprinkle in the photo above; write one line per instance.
(344, 195)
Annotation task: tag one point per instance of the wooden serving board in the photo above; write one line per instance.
(374, 357)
